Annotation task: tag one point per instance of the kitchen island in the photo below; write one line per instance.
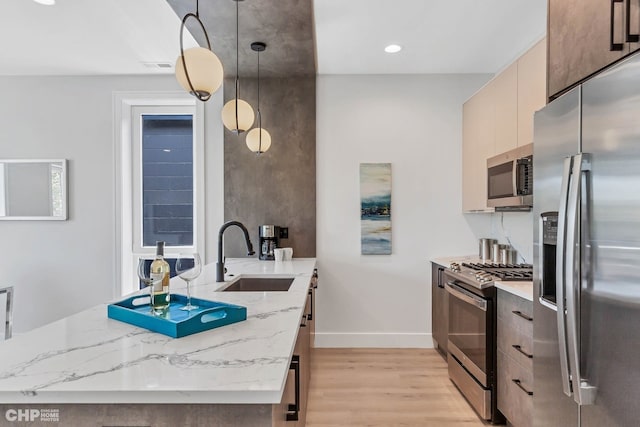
(91, 359)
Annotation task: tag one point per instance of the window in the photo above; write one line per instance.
(160, 169)
(167, 180)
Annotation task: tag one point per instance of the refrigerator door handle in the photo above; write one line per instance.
(560, 277)
(583, 393)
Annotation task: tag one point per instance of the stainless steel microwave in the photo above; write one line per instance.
(510, 180)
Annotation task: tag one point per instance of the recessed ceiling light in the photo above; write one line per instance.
(46, 2)
(393, 48)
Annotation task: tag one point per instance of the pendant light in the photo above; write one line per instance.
(237, 115)
(258, 139)
(198, 70)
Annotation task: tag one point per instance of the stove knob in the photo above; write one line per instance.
(454, 266)
(483, 277)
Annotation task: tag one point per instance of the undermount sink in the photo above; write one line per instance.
(259, 284)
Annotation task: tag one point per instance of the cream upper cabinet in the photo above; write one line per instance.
(477, 145)
(505, 93)
(532, 89)
(499, 118)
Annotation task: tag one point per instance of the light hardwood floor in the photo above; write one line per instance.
(384, 387)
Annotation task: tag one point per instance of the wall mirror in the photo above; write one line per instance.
(33, 189)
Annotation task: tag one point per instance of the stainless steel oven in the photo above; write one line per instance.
(468, 330)
(471, 343)
(472, 331)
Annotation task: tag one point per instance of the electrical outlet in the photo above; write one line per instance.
(284, 232)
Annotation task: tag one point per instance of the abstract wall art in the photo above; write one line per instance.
(375, 208)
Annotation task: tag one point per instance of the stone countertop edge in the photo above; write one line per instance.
(521, 289)
(89, 358)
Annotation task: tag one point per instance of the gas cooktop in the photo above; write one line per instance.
(483, 275)
(506, 272)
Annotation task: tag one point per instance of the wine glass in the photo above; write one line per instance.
(144, 274)
(188, 267)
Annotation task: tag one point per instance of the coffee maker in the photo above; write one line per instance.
(269, 239)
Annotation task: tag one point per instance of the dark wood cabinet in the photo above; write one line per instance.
(584, 36)
(292, 411)
(515, 358)
(439, 309)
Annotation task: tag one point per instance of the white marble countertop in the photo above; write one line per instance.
(521, 289)
(89, 358)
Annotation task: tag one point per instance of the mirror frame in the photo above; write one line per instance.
(65, 209)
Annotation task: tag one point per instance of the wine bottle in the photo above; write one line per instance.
(159, 281)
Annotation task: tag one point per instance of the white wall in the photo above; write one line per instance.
(414, 122)
(62, 267)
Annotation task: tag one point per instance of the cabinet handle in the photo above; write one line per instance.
(304, 321)
(628, 37)
(524, 316)
(519, 349)
(519, 384)
(614, 46)
(440, 282)
(8, 323)
(310, 315)
(294, 410)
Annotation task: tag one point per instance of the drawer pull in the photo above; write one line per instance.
(519, 349)
(294, 409)
(612, 45)
(519, 384)
(524, 316)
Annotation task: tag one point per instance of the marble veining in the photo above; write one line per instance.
(89, 358)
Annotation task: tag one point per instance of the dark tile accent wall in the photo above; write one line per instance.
(168, 180)
(279, 186)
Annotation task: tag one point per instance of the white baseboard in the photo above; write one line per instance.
(372, 340)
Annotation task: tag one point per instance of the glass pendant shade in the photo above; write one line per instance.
(254, 141)
(245, 116)
(205, 72)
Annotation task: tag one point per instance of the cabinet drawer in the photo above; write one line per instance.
(516, 343)
(515, 311)
(514, 385)
(515, 330)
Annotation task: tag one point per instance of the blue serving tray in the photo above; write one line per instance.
(176, 323)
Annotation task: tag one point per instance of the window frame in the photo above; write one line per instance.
(129, 106)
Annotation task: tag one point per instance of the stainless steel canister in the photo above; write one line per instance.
(508, 256)
(495, 252)
(485, 247)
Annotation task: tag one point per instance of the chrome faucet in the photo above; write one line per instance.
(220, 270)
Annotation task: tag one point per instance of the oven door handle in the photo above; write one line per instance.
(466, 296)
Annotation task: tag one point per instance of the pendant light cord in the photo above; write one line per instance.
(259, 114)
(197, 8)
(237, 64)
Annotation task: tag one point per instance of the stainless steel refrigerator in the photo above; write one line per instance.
(587, 253)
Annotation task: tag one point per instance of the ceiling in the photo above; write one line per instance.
(462, 36)
(88, 37)
(93, 37)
